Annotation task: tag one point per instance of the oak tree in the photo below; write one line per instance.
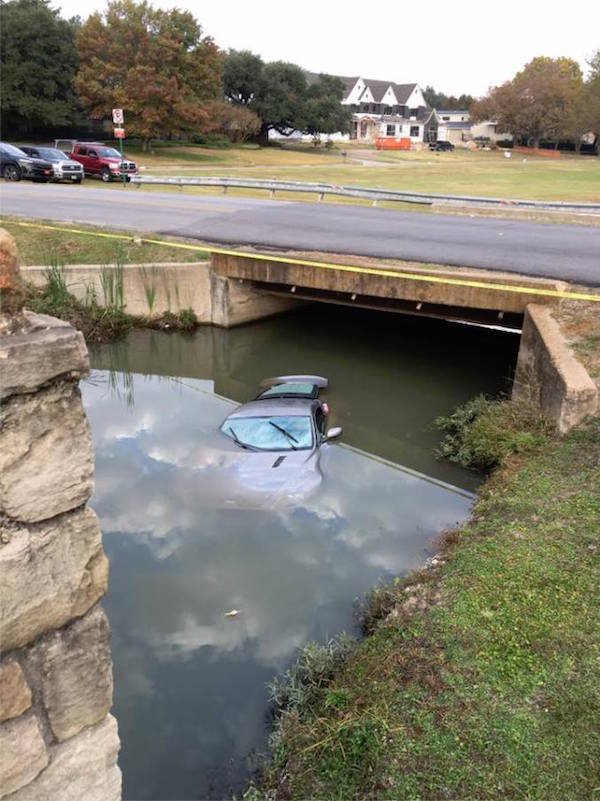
(538, 103)
(38, 62)
(153, 63)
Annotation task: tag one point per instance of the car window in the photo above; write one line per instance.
(274, 433)
(51, 153)
(290, 388)
(109, 152)
(92, 153)
(83, 151)
(11, 150)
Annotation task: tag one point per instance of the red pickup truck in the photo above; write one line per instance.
(99, 159)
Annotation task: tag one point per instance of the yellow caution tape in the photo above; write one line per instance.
(431, 278)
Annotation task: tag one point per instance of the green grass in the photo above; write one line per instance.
(482, 679)
(461, 172)
(486, 173)
(39, 247)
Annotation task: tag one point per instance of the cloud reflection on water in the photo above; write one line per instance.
(180, 560)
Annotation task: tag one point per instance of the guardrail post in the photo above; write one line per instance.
(271, 193)
(224, 189)
(321, 196)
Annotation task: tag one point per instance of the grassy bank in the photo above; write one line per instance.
(45, 248)
(103, 321)
(481, 675)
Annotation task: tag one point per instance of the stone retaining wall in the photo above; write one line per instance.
(563, 389)
(58, 741)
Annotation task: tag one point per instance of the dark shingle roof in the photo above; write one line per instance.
(403, 91)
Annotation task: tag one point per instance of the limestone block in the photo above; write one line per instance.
(46, 464)
(47, 349)
(15, 695)
(76, 674)
(23, 753)
(9, 261)
(83, 768)
(51, 572)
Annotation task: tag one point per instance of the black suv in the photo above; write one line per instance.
(441, 145)
(15, 164)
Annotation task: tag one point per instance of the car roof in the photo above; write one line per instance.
(266, 408)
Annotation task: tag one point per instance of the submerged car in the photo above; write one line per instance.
(65, 169)
(278, 437)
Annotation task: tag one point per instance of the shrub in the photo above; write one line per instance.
(188, 319)
(481, 433)
(215, 140)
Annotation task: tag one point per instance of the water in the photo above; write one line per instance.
(190, 692)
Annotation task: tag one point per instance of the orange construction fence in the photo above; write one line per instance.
(538, 151)
(389, 143)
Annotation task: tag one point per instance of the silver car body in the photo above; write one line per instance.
(65, 169)
(281, 474)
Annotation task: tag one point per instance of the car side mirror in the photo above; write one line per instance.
(333, 433)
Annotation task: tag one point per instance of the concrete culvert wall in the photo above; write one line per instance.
(565, 392)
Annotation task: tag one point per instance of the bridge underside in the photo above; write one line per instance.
(473, 296)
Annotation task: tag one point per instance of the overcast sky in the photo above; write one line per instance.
(454, 45)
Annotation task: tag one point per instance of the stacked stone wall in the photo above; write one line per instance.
(58, 741)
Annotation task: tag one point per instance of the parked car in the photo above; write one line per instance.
(277, 439)
(441, 145)
(65, 169)
(15, 164)
(103, 161)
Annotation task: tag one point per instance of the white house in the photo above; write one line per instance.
(388, 110)
(455, 126)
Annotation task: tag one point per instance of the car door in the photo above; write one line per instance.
(93, 161)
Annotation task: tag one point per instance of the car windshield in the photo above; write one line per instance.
(51, 154)
(274, 433)
(11, 150)
(109, 152)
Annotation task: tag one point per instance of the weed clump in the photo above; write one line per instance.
(308, 678)
(481, 433)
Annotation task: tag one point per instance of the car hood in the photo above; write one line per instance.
(231, 476)
(35, 161)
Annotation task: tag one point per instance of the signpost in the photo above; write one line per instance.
(118, 121)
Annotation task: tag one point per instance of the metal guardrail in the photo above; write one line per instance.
(374, 195)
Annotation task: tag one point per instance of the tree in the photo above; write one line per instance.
(154, 64)
(280, 94)
(237, 122)
(439, 100)
(38, 62)
(323, 112)
(591, 100)
(538, 103)
(279, 99)
(242, 76)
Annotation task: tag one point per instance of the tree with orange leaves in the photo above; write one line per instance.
(154, 64)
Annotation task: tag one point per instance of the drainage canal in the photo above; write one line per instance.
(190, 693)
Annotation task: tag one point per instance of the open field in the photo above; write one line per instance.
(485, 173)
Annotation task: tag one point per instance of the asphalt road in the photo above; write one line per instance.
(568, 252)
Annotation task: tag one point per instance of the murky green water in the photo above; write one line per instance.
(190, 692)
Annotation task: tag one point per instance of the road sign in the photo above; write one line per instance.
(119, 133)
(118, 118)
